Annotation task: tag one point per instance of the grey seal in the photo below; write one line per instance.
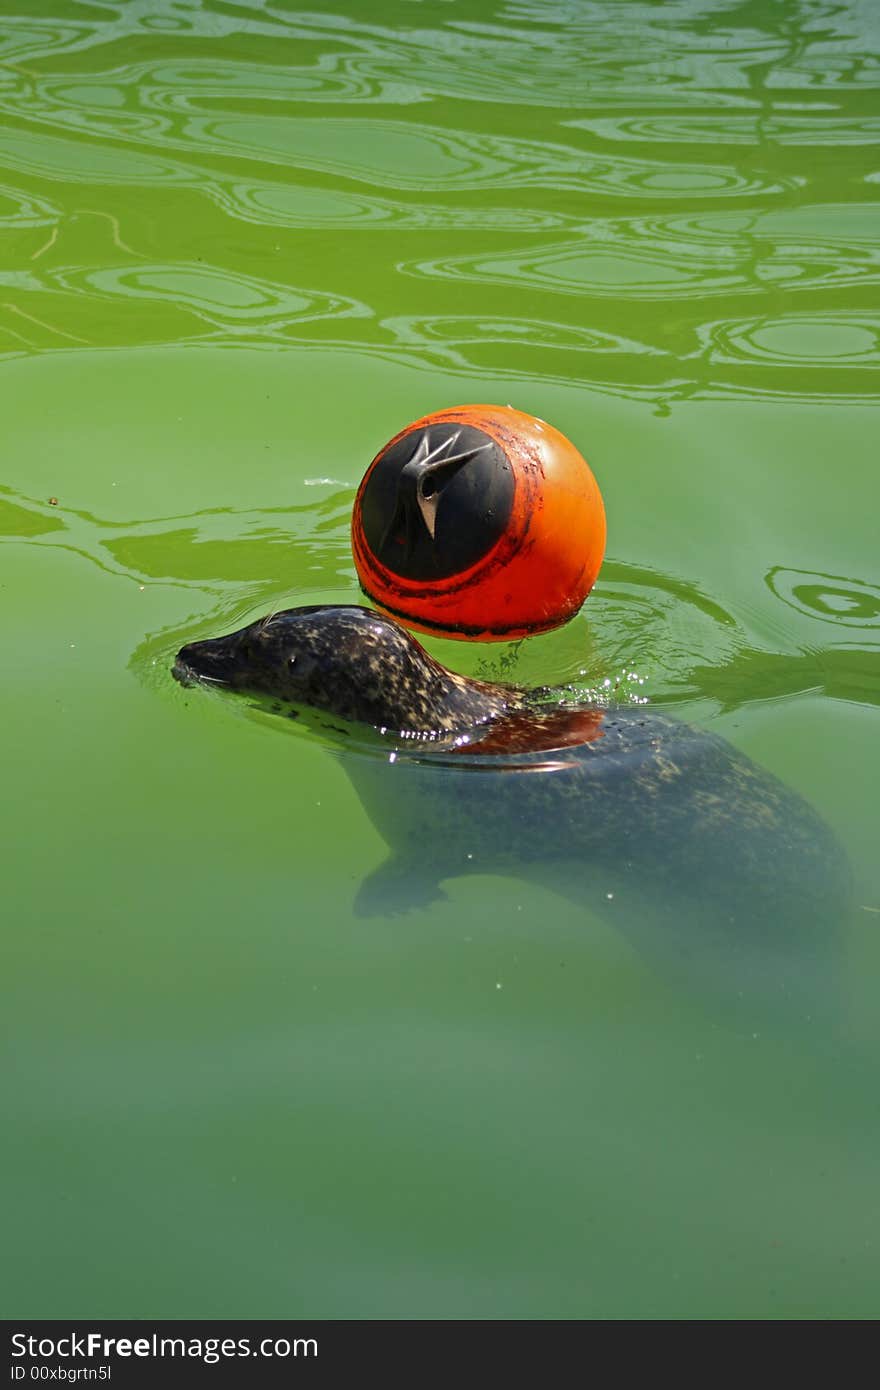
(705, 860)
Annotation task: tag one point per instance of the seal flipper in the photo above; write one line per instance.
(399, 885)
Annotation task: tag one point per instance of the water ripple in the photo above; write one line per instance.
(643, 630)
(706, 160)
(281, 205)
(534, 52)
(75, 161)
(453, 333)
(828, 597)
(684, 256)
(397, 154)
(815, 127)
(66, 160)
(20, 209)
(216, 551)
(216, 295)
(827, 341)
(178, 301)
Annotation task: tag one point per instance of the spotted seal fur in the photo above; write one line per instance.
(352, 663)
(702, 858)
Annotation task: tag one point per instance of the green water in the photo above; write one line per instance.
(242, 245)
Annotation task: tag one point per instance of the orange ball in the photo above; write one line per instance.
(479, 522)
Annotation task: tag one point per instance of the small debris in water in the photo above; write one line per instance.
(498, 984)
(53, 501)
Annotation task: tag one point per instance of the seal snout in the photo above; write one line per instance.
(210, 660)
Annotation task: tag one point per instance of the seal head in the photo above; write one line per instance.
(351, 662)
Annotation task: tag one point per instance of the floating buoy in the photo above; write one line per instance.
(480, 522)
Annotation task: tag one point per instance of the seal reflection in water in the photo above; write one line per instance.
(705, 861)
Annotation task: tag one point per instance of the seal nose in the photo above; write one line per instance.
(208, 660)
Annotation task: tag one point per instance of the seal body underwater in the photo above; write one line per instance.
(704, 860)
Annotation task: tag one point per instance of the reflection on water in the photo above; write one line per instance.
(286, 121)
(733, 128)
(680, 257)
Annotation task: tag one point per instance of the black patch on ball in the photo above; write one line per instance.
(437, 501)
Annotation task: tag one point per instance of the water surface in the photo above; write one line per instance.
(242, 245)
